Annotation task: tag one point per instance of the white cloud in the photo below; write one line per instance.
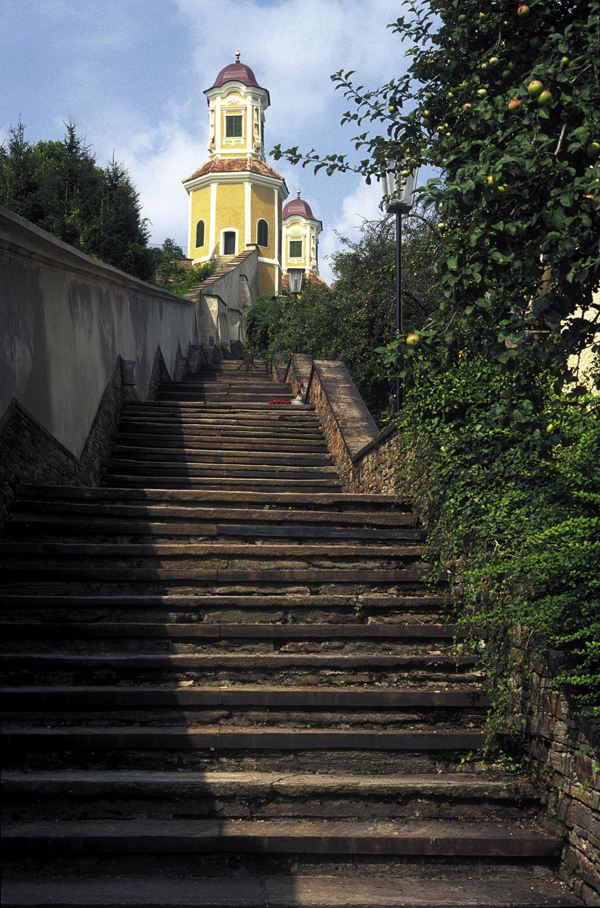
(359, 206)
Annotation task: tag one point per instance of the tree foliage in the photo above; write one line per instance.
(519, 532)
(350, 319)
(59, 187)
(520, 196)
(171, 272)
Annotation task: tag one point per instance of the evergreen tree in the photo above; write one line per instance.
(59, 187)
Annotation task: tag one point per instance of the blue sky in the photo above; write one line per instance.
(131, 74)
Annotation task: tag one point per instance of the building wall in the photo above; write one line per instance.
(231, 213)
(200, 210)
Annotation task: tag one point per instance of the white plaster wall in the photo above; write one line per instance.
(64, 319)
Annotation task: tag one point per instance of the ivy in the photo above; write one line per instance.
(515, 523)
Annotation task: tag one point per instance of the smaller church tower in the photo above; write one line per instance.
(236, 198)
(301, 232)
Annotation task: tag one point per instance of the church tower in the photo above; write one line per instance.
(236, 198)
(301, 232)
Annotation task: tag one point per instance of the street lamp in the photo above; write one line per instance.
(399, 192)
(296, 275)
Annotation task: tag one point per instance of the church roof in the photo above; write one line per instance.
(237, 72)
(235, 165)
(300, 208)
(308, 276)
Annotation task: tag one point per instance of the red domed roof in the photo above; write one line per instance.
(300, 208)
(236, 72)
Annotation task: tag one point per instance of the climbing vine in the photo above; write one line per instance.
(516, 526)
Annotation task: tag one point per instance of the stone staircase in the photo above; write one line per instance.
(227, 686)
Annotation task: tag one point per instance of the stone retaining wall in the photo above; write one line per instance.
(30, 455)
(566, 751)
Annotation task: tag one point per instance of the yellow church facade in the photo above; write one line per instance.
(236, 198)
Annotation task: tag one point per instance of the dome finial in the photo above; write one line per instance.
(237, 56)
(298, 191)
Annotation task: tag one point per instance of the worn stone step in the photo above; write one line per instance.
(194, 439)
(398, 552)
(343, 891)
(239, 662)
(256, 788)
(226, 413)
(184, 455)
(428, 838)
(205, 738)
(173, 466)
(270, 697)
(165, 514)
(81, 795)
(200, 604)
(280, 632)
(266, 483)
(336, 501)
(32, 524)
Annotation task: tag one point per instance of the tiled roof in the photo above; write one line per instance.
(234, 165)
(298, 207)
(236, 72)
(308, 276)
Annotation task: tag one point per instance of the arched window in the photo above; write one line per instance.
(199, 234)
(229, 242)
(262, 233)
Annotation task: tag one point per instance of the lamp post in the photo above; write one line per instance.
(296, 275)
(399, 192)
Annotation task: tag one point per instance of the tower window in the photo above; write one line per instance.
(199, 234)
(233, 126)
(229, 242)
(262, 233)
(295, 249)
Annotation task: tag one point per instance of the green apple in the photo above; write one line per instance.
(545, 98)
(535, 88)
(412, 340)
(593, 150)
(514, 105)
(523, 11)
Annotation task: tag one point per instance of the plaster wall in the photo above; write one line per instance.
(66, 318)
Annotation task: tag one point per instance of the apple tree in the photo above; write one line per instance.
(504, 99)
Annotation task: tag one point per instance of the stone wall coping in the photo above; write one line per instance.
(206, 287)
(22, 240)
(386, 433)
(356, 425)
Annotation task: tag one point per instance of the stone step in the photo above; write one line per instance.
(31, 509)
(149, 480)
(213, 580)
(81, 795)
(30, 525)
(217, 393)
(250, 412)
(398, 552)
(69, 604)
(198, 455)
(350, 699)
(191, 439)
(337, 501)
(216, 739)
(429, 838)
(260, 663)
(343, 891)
(169, 467)
(217, 632)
